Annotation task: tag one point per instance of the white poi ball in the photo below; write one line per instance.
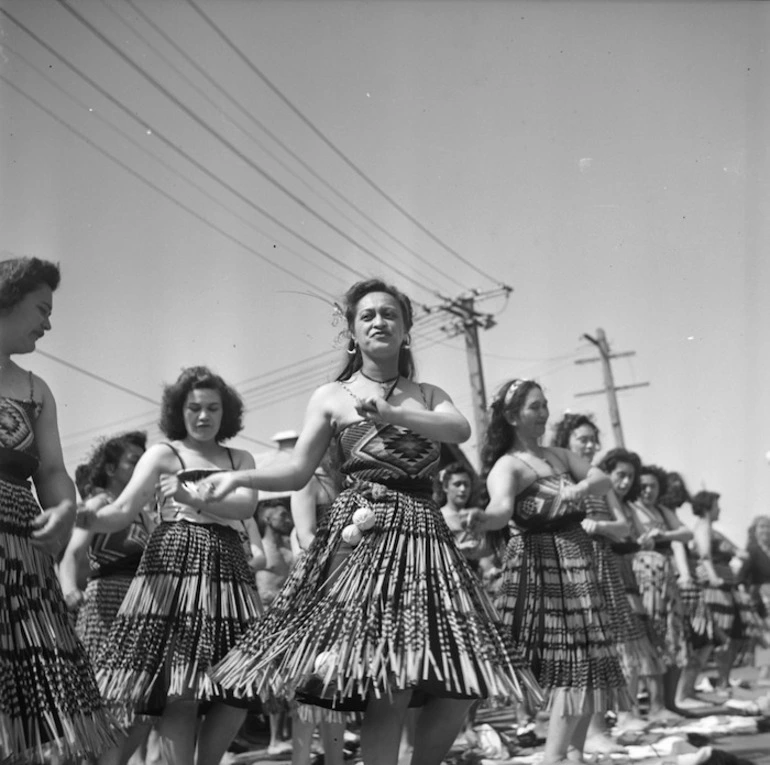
(364, 518)
(352, 534)
(767, 456)
(325, 663)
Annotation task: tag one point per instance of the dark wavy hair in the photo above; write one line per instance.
(660, 474)
(613, 458)
(702, 502)
(92, 475)
(752, 532)
(568, 425)
(20, 276)
(676, 492)
(500, 434)
(453, 468)
(350, 303)
(175, 396)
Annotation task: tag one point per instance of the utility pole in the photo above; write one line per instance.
(605, 356)
(467, 320)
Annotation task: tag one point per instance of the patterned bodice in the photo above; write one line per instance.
(119, 552)
(597, 508)
(540, 504)
(18, 451)
(396, 457)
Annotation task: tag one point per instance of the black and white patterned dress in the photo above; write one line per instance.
(402, 609)
(49, 701)
(551, 601)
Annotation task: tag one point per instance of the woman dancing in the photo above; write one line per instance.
(49, 701)
(606, 525)
(111, 560)
(403, 619)
(550, 597)
(193, 594)
(656, 574)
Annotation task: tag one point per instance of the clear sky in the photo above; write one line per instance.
(607, 160)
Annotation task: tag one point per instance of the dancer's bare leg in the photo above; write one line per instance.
(381, 731)
(217, 731)
(438, 724)
(561, 730)
(176, 732)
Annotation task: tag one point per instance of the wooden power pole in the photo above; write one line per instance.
(605, 357)
(467, 320)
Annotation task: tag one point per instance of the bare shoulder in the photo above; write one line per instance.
(242, 459)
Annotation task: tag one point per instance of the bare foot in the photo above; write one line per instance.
(601, 743)
(687, 704)
(664, 717)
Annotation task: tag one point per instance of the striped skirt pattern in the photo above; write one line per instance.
(49, 701)
(630, 632)
(551, 601)
(192, 598)
(103, 598)
(654, 572)
(398, 610)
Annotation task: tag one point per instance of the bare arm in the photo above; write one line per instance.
(618, 528)
(72, 562)
(680, 561)
(303, 512)
(258, 561)
(502, 486)
(677, 531)
(590, 480)
(54, 487)
(294, 473)
(442, 422)
(702, 540)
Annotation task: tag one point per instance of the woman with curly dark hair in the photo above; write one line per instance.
(403, 619)
(606, 524)
(49, 701)
(550, 597)
(193, 594)
(111, 559)
(656, 573)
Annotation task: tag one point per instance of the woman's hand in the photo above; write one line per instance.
(87, 512)
(74, 599)
(590, 526)
(170, 487)
(573, 492)
(373, 408)
(474, 521)
(52, 527)
(216, 487)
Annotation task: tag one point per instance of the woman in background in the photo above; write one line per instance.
(550, 596)
(606, 524)
(112, 560)
(193, 594)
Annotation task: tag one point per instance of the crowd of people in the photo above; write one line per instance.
(152, 618)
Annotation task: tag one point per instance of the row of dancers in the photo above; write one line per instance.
(380, 613)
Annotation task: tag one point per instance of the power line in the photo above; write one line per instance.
(235, 103)
(171, 145)
(95, 114)
(160, 191)
(274, 88)
(234, 149)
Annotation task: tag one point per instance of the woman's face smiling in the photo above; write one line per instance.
(203, 414)
(378, 328)
(532, 418)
